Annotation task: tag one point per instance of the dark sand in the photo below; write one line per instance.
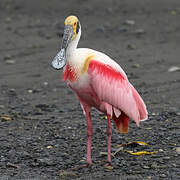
(45, 130)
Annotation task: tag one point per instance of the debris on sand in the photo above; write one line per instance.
(139, 153)
(173, 69)
(12, 165)
(64, 174)
(5, 118)
(121, 148)
(133, 144)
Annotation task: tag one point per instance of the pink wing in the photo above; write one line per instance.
(115, 89)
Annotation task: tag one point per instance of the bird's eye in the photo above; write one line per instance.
(77, 28)
(75, 24)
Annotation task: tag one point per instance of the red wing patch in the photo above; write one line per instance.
(69, 73)
(105, 70)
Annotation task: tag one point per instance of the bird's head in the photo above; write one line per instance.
(71, 33)
(72, 23)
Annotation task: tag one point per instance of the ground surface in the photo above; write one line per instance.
(44, 130)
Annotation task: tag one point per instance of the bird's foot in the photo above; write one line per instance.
(87, 165)
(108, 164)
(72, 171)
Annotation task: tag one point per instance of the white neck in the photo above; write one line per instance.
(72, 46)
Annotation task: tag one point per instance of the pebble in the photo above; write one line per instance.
(45, 83)
(30, 91)
(166, 158)
(129, 22)
(2, 159)
(49, 147)
(146, 167)
(174, 165)
(173, 69)
(153, 114)
(10, 61)
(177, 150)
(162, 175)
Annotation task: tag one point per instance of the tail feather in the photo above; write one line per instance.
(121, 122)
(140, 105)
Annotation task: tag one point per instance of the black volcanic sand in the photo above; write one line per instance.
(42, 127)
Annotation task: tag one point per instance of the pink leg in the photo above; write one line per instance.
(86, 110)
(109, 133)
(89, 128)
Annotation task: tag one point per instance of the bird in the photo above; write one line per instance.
(98, 82)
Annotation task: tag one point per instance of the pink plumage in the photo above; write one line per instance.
(108, 90)
(115, 89)
(98, 82)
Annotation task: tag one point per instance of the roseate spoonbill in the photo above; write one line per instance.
(98, 82)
